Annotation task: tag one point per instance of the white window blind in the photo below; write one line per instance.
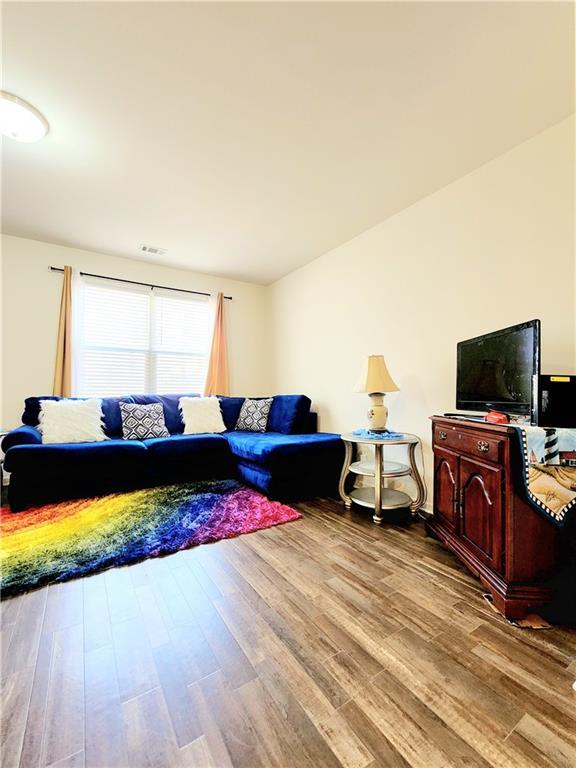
(132, 339)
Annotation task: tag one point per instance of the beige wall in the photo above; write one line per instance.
(31, 299)
(1, 344)
(492, 249)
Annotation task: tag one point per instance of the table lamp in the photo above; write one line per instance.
(376, 381)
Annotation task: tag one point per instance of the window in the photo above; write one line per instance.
(133, 339)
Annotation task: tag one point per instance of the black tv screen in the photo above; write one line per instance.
(494, 371)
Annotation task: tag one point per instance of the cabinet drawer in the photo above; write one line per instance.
(489, 448)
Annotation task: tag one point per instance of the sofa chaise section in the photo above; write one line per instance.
(288, 466)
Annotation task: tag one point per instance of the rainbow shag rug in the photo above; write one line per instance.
(62, 541)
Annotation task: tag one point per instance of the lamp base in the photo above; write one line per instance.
(377, 413)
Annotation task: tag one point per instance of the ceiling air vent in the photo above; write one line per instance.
(152, 250)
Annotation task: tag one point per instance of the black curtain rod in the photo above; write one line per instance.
(136, 282)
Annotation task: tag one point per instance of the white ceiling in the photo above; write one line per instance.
(248, 139)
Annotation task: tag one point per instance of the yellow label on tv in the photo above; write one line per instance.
(559, 378)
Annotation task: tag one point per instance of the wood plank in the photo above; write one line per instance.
(238, 733)
(64, 722)
(197, 754)
(318, 752)
(9, 609)
(149, 735)
(151, 616)
(134, 663)
(408, 737)
(231, 658)
(210, 728)
(64, 606)
(15, 691)
(97, 630)
(558, 697)
(122, 604)
(556, 750)
(279, 741)
(372, 736)
(105, 739)
(176, 695)
(73, 761)
(34, 734)
(25, 638)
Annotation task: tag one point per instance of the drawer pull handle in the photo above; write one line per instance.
(442, 435)
(483, 446)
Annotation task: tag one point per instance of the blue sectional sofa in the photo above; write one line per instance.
(289, 461)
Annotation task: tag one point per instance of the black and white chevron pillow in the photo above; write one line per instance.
(140, 422)
(253, 415)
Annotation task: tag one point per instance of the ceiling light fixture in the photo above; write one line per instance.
(20, 120)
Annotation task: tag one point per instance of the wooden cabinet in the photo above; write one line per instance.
(480, 508)
(446, 487)
(481, 514)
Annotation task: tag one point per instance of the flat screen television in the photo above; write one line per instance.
(494, 371)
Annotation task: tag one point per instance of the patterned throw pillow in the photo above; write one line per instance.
(254, 415)
(140, 422)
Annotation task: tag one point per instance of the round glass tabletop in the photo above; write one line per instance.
(405, 438)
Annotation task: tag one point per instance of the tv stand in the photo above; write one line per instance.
(481, 513)
(463, 417)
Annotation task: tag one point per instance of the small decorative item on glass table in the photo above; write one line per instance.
(379, 498)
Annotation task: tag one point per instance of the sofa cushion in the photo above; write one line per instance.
(69, 459)
(230, 407)
(285, 453)
(110, 410)
(289, 414)
(188, 457)
(186, 447)
(171, 405)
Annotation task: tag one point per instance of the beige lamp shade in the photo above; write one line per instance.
(375, 377)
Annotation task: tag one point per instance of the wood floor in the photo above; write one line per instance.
(323, 643)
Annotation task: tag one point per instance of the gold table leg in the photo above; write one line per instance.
(421, 496)
(344, 474)
(377, 484)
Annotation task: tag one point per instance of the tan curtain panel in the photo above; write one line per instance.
(63, 370)
(217, 378)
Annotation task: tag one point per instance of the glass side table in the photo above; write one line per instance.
(379, 498)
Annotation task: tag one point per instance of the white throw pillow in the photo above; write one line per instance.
(201, 414)
(71, 421)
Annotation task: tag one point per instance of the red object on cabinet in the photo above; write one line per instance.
(497, 417)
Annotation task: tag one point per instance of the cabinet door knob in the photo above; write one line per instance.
(483, 446)
(442, 435)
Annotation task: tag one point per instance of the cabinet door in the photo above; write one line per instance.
(445, 487)
(481, 510)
